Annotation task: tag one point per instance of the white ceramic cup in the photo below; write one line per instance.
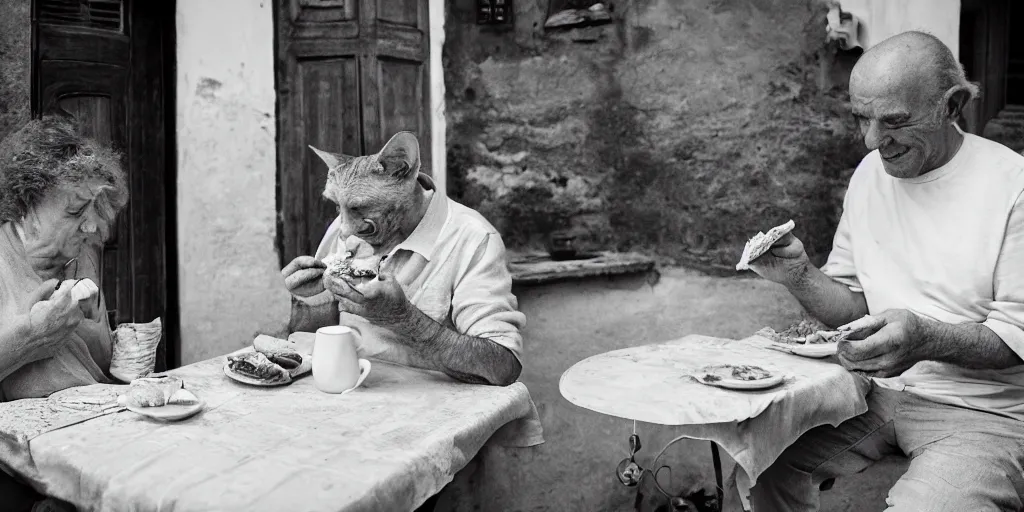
(336, 367)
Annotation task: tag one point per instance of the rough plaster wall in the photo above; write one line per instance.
(681, 127)
(881, 19)
(230, 280)
(574, 469)
(15, 64)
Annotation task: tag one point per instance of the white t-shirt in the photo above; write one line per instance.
(949, 246)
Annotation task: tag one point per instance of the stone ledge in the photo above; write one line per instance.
(539, 268)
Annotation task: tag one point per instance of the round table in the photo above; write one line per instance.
(662, 374)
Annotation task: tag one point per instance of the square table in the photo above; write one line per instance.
(388, 445)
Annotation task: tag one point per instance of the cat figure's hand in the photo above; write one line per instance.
(302, 277)
(784, 263)
(380, 301)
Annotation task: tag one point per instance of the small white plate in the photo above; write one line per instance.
(303, 368)
(815, 350)
(770, 382)
(254, 382)
(173, 412)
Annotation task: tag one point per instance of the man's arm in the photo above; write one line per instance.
(308, 317)
(461, 357)
(483, 347)
(833, 293)
(969, 345)
(827, 299)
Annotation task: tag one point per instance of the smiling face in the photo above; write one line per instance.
(378, 197)
(62, 223)
(902, 111)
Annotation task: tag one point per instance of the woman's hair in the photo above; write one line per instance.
(50, 152)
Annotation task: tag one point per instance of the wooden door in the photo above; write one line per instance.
(984, 44)
(350, 73)
(103, 61)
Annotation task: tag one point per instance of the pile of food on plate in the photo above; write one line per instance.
(808, 331)
(270, 362)
(157, 392)
(735, 372)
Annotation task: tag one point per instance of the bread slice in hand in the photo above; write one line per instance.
(761, 242)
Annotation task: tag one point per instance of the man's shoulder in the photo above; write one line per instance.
(469, 221)
(997, 155)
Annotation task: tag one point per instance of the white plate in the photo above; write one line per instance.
(173, 412)
(772, 381)
(815, 350)
(303, 368)
(254, 382)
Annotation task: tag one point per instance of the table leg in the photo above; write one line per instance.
(716, 459)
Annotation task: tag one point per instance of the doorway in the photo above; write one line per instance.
(995, 61)
(348, 76)
(110, 63)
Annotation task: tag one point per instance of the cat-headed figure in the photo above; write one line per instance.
(442, 299)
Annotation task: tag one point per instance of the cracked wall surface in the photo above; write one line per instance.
(679, 129)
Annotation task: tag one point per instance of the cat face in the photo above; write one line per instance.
(376, 194)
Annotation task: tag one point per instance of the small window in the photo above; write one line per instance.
(107, 15)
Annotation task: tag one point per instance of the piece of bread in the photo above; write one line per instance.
(152, 391)
(183, 397)
(255, 365)
(761, 242)
(84, 289)
(356, 263)
(281, 352)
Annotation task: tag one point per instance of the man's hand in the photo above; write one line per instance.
(302, 277)
(785, 263)
(883, 345)
(380, 301)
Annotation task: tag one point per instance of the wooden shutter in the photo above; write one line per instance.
(103, 62)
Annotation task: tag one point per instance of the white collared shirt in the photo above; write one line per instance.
(453, 268)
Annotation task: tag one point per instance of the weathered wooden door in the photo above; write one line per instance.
(984, 41)
(350, 73)
(104, 61)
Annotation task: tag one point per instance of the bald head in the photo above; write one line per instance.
(916, 60)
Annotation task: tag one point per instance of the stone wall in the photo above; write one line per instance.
(15, 64)
(678, 129)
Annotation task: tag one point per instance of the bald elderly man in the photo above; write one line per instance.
(930, 244)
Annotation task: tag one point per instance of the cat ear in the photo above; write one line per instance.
(401, 155)
(331, 159)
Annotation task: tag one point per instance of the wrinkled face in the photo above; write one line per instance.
(372, 207)
(904, 122)
(63, 222)
(377, 195)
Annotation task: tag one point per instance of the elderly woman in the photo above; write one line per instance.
(59, 195)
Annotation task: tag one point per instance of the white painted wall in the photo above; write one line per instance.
(881, 19)
(439, 152)
(230, 284)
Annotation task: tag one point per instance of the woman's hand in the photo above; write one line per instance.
(52, 318)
